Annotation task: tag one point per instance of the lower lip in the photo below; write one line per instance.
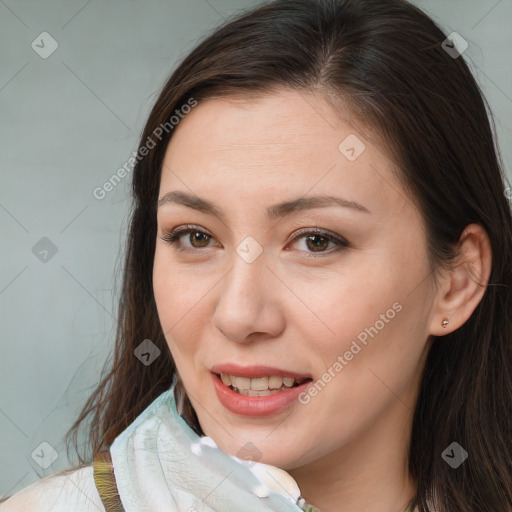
(256, 405)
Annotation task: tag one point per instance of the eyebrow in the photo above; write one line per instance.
(279, 210)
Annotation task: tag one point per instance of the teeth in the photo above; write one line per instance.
(241, 382)
(259, 384)
(252, 392)
(226, 379)
(275, 382)
(246, 385)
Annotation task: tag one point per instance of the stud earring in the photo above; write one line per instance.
(445, 322)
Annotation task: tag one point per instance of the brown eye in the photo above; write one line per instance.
(200, 237)
(196, 238)
(317, 242)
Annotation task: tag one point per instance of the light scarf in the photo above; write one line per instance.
(159, 464)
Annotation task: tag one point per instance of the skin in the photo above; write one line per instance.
(347, 448)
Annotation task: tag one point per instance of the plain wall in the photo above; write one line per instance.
(68, 122)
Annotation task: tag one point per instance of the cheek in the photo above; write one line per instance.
(337, 306)
(352, 328)
(374, 358)
(368, 317)
(178, 304)
(164, 289)
(176, 289)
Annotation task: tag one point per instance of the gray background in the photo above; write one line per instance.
(67, 123)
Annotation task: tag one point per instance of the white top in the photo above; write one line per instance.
(73, 492)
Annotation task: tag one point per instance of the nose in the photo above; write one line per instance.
(248, 306)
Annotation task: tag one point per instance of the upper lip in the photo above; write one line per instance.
(256, 371)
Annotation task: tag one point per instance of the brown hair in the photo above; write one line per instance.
(384, 58)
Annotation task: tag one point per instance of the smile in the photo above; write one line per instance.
(259, 386)
(258, 396)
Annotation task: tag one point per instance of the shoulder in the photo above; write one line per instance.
(68, 490)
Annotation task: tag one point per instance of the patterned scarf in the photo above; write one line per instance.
(160, 464)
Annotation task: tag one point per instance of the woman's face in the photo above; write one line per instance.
(336, 289)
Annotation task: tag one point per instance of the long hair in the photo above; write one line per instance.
(384, 59)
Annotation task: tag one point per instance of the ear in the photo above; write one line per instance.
(461, 290)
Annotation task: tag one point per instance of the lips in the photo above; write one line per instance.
(262, 403)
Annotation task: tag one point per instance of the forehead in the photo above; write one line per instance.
(286, 122)
(287, 143)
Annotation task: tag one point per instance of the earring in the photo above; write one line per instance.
(445, 322)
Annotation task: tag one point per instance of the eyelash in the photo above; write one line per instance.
(173, 237)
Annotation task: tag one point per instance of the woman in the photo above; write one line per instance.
(318, 282)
